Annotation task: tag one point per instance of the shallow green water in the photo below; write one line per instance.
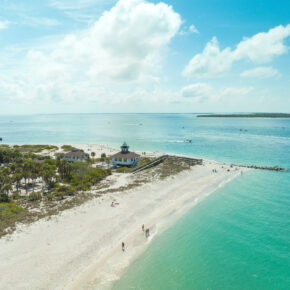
(238, 238)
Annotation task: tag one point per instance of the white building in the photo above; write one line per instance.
(76, 155)
(125, 157)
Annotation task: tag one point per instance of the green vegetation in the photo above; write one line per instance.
(22, 171)
(251, 115)
(10, 213)
(67, 147)
(28, 179)
(144, 160)
(123, 169)
(170, 167)
(34, 148)
(83, 177)
(34, 196)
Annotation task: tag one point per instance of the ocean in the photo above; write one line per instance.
(238, 237)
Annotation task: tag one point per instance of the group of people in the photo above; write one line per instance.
(214, 171)
(147, 234)
(114, 203)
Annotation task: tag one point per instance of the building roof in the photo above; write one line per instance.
(76, 153)
(125, 155)
(39, 160)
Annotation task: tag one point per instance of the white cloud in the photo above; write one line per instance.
(126, 44)
(260, 72)
(198, 90)
(261, 48)
(211, 62)
(264, 46)
(193, 29)
(188, 30)
(202, 91)
(4, 24)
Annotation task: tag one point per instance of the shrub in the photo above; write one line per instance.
(123, 169)
(9, 213)
(16, 195)
(103, 157)
(50, 196)
(4, 197)
(62, 190)
(67, 148)
(34, 196)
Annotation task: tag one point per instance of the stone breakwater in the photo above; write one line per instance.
(273, 168)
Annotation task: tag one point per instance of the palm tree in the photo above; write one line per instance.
(17, 177)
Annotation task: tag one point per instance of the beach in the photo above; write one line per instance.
(81, 247)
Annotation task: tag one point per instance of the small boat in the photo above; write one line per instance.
(188, 141)
(1, 138)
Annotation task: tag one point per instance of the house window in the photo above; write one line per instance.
(125, 159)
(132, 159)
(120, 159)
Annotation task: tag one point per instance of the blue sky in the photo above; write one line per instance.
(67, 56)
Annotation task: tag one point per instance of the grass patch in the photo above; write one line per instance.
(10, 213)
(67, 147)
(170, 167)
(123, 169)
(143, 160)
(34, 148)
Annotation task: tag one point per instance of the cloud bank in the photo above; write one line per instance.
(261, 72)
(261, 48)
(126, 44)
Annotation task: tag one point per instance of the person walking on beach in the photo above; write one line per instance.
(147, 233)
(123, 246)
(143, 227)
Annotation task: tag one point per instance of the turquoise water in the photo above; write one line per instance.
(239, 237)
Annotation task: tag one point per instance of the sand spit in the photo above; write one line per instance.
(81, 248)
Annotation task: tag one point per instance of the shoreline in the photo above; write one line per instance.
(81, 247)
(104, 273)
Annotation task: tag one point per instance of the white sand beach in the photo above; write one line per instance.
(81, 248)
(98, 149)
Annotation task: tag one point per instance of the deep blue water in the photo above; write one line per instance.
(239, 237)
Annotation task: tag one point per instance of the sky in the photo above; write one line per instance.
(138, 56)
